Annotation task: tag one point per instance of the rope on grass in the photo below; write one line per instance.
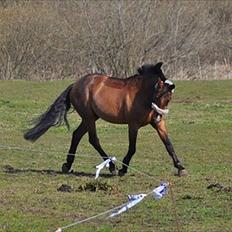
(2, 146)
(157, 193)
(7, 147)
(150, 176)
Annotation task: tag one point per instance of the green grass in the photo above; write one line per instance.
(199, 124)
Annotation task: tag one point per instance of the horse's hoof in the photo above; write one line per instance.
(122, 172)
(65, 168)
(182, 172)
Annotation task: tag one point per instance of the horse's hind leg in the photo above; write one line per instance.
(76, 137)
(94, 141)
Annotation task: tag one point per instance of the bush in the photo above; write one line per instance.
(64, 39)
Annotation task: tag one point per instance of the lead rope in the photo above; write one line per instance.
(2, 146)
(174, 208)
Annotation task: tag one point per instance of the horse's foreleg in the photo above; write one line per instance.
(162, 131)
(94, 141)
(131, 151)
(76, 137)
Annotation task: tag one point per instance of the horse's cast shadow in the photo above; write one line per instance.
(11, 170)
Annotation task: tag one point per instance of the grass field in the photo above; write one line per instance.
(200, 126)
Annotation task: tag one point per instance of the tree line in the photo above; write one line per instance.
(43, 40)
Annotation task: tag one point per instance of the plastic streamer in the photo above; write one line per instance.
(106, 164)
(160, 191)
(133, 200)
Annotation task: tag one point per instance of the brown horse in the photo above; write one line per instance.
(121, 101)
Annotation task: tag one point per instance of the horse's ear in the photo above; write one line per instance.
(158, 65)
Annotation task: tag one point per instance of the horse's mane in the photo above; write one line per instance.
(150, 70)
(145, 71)
(130, 78)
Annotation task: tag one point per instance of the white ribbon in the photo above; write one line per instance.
(133, 200)
(159, 110)
(160, 191)
(106, 163)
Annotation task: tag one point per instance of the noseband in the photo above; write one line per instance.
(155, 107)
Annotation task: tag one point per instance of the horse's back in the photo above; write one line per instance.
(111, 99)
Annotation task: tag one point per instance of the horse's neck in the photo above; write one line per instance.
(148, 86)
(147, 91)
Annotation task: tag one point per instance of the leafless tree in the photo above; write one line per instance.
(63, 39)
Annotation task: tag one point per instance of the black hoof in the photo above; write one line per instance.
(122, 172)
(66, 168)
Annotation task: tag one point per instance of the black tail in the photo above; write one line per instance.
(54, 116)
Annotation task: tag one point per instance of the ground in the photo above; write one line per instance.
(36, 196)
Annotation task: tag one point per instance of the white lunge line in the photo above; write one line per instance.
(158, 193)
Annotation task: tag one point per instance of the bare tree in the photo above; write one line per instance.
(63, 39)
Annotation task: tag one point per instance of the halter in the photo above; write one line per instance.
(161, 112)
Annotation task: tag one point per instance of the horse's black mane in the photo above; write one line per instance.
(146, 68)
(135, 76)
(149, 70)
(145, 71)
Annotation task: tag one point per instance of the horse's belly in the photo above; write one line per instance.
(110, 114)
(114, 119)
(112, 108)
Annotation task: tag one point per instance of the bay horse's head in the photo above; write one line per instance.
(152, 71)
(162, 96)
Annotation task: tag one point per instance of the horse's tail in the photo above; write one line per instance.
(55, 115)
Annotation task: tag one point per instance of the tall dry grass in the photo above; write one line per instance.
(65, 39)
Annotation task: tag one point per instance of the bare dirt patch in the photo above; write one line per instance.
(92, 186)
(220, 188)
